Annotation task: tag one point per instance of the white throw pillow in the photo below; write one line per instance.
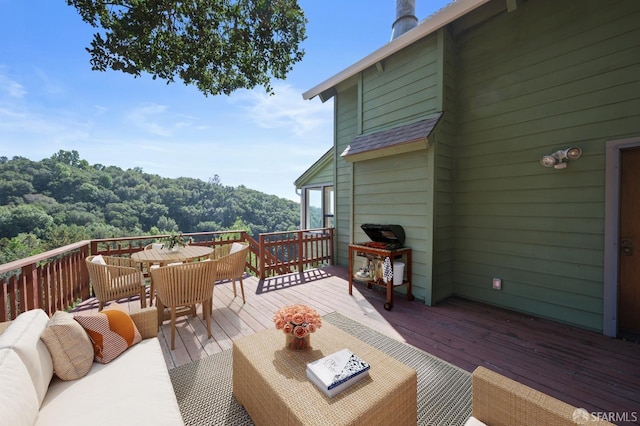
(99, 260)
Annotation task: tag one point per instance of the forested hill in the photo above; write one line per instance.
(49, 203)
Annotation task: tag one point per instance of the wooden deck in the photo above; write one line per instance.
(580, 367)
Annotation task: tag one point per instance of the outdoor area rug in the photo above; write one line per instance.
(203, 388)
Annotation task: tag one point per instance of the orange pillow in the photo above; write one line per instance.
(111, 331)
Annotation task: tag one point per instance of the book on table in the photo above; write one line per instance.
(336, 372)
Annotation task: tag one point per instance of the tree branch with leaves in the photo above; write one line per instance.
(217, 45)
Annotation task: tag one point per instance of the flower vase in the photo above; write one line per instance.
(174, 249)
(298, 343)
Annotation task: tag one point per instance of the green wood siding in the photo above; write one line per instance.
(406, 90)
(477, 204)
(393, 190)
(396, 189)
(324, 175)
(444, 149)
(321, 172)
(346, 112)
(547, 76)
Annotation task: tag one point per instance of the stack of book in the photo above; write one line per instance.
(336, 372)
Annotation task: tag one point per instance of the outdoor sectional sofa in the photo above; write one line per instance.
(132, 389)
(501, 401)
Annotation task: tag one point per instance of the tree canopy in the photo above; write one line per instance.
(217, 45)
(63, 199)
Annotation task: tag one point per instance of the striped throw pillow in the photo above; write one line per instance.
(111, 331)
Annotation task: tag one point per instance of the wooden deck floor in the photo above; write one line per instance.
(580, 367)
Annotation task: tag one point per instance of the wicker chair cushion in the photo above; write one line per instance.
(111, 331)
(168, 264)
(99, 260)
(69, 345)
(236, 247)
(127, 279)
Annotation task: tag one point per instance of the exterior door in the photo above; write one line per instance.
(629, 242)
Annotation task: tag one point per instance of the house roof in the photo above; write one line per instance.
(399, 139)
(444, 16)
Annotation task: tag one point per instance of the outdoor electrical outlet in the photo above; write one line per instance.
(497, 284)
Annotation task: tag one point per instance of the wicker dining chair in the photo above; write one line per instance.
(151, 266)
(186, 284)
(113, 278)
(232, 260)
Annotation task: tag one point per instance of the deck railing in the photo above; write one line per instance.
(56, 279)
(294, 251)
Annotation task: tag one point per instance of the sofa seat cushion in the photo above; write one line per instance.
(69, 345)
(23, 337)
(133, 389)
(18, 398)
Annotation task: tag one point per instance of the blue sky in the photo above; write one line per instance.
(51, 100)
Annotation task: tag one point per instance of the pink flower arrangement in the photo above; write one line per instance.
(299, 320)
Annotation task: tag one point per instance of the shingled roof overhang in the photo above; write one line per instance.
(397, 140)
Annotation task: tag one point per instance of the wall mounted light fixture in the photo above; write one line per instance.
(558, 160)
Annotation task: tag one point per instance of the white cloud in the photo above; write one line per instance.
(157, 119)
(147, 118)
(11, 87)
(287, 109)
(47, 84)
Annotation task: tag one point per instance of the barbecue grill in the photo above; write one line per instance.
(387, 237)
(387, 241)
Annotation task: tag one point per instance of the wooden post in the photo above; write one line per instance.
(301, 254)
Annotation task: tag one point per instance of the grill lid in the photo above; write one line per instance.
(388, 234)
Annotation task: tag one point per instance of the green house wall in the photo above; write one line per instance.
(443, 147)
(397, 189)
(323, 176)
(547, 76)
(346, 127)
(477, 204)
(321, 173)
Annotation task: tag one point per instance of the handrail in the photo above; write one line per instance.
(56, 279)
(52, 281)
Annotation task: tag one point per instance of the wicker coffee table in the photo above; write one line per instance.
(270, 382)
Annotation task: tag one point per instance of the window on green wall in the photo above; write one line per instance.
(327, 208)
(319, 209)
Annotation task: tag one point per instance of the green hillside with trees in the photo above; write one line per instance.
(63, 199)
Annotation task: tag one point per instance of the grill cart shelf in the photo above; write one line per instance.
(375, 255)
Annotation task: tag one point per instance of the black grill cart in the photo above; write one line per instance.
(366, 260)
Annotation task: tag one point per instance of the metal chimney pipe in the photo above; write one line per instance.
(405, 17)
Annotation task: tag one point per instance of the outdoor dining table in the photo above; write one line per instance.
(163, 257)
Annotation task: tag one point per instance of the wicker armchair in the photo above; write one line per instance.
(113, 278)
(185, 285)
(232, 260)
